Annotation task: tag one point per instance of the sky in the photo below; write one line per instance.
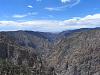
(49, 15)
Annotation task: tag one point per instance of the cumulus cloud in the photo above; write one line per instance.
(89, 21)
(67, 3)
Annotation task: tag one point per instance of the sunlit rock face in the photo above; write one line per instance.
(75, 52)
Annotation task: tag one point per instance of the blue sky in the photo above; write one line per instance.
(48, 15)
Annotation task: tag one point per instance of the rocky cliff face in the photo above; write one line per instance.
(74, 52)
(18, 60)
(77, 54)
(41, 43)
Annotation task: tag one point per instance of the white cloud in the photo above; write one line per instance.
(64, 1)
(89, 21)
(30, 6)
(32, 13)
(75, 3)
(67, 3)
(51, 9)
(25, 15)
(19, 16)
